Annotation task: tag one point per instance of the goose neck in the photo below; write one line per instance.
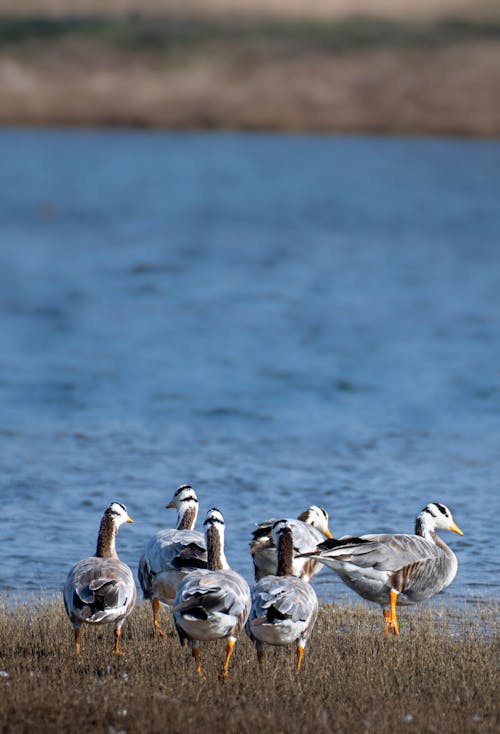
(285, 554)
(216, 559)
(106, 539)
(187, 518)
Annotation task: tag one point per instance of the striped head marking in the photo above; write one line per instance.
(118, 513)
(436, 516)
(317, 517)
(214, 518)
(183, 495)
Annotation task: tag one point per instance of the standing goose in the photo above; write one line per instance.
(309, 529)
(214, 603)
(171, 554)
(101, 589)
(390, 569)
(284, 608)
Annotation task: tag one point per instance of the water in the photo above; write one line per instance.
(279, 321)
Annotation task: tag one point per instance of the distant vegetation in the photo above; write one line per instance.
(285, 37)
(440, 675)
(198, 65)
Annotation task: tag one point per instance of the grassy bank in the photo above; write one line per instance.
(439, 676)
(179, 70)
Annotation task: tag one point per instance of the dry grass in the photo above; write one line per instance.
(439, 676)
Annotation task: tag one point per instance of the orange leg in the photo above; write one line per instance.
(300, 655)
(229, 652)
(116, 649)
(391, 620)
(196, 654)
(156, 608)
(78, 634)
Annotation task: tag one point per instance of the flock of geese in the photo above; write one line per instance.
(188, 572)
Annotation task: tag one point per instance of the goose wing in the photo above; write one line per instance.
(216, 591)
(99, 590)
(381, 552)
(283, 597)
(171, 550)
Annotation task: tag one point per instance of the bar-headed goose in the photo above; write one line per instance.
(284, 608)
(309, 529)
(391, 569)
(212, 604)
(101, 589)
(172, 553)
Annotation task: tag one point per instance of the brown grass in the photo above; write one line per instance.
(439, 676)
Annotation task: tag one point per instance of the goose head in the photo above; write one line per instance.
(118, 514)
(185, 502)
(435, 516)
(317, 517)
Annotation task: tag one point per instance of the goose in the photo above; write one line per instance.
(390, 569)
(284, 608)
(171, 554)
(308, 529)
(212, 603)
(101, 589)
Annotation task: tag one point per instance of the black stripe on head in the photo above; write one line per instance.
(190, 498)
(441, 508)
(429, 511)
(211, 520)
(182, 488)
(113, 512)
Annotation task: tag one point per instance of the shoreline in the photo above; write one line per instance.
(360, 76)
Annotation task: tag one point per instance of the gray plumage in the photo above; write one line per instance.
(309, 529)
(214, 603)
(416, 567)
(383, 568)
(101, 589)
(284, 608)
(173, 553)
(211, 605)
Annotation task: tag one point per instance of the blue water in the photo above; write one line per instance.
(277, 320)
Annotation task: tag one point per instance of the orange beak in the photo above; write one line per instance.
(129, 519)
(455, 529)
(328, 533)
(170, 504)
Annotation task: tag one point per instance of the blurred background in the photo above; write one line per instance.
(391, 66)
(252, 246)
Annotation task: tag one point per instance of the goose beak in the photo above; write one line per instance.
(129, 519)
(328, 533)
(170, 504)
(455, 529)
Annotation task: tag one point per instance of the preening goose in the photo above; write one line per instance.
(284, 608)
(309, 529)
(101, 589)
(171, 554)
(214, 603)
(391, 569)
